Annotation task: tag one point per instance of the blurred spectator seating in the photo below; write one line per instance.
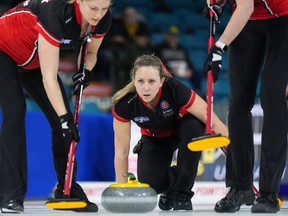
(176, 58)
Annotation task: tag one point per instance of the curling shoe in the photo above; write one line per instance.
(12, 206)
(182, 201)
(266, 203)
(166, 201)
(234, 199)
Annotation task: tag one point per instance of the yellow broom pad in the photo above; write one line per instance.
(66, 204)
(280, 203)
(208, 143)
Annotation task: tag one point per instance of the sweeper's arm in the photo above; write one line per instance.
(197, 109)
(122, 136)
(238, 20)
(80, 78)
(49, 63)
(92, 52)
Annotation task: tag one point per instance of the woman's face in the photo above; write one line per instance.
(147, 82)
(93, 10)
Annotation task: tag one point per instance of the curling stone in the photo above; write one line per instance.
(130, 197)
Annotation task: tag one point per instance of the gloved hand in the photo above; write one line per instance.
(214, 62)
(80, 78)
(69, 129)
(216, 9)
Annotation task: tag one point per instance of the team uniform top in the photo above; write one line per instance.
(57, 21)
(267, 9)
(173, 100)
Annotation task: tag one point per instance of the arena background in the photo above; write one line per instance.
(155, 21)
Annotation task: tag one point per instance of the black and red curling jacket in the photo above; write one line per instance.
(57, 21)
(174, 98)
(266, 9)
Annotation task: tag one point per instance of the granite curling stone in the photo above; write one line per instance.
(130, 197)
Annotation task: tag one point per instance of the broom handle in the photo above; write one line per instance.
(210, 80)
(77, 106)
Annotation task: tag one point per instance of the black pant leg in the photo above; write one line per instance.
(154, 161)
(33, 84)
(13, 156)
(187, 161)
(246, 56)
(274, 82)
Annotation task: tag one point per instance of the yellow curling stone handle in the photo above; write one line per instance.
(130, 184)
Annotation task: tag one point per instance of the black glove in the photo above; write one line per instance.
(214, 62)
(69, 129)
(216, 9)
(80, 78)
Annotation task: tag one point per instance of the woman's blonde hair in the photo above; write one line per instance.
(144, 60)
